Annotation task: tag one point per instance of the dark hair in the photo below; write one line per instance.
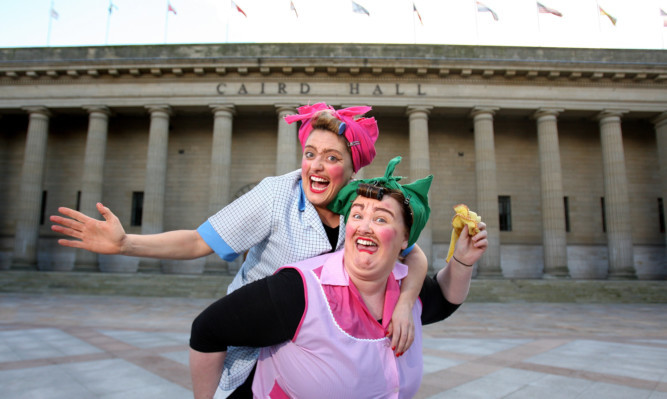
(378, 192)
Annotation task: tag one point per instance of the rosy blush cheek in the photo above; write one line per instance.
(336, 173)
(349, 230)
(386, 235)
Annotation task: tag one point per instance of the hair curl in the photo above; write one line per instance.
(378, 192)
(325, 120)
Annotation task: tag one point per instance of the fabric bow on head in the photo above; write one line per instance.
(415, 193)
(361, 133)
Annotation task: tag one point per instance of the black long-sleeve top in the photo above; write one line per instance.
(268, 312)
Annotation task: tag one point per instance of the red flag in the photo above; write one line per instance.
(239, 9)
(541, 8)
(663, 14)
(170, 8)
(291, 7)
(414, 8)
(603, 12)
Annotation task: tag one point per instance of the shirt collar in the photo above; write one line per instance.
(333, 270)
(302, 197)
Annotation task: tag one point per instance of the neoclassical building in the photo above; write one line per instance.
(563, 152)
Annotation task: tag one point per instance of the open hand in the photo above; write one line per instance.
(101, 236)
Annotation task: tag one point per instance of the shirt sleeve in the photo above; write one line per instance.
(243, 223)
(435, 307)
(263, 313)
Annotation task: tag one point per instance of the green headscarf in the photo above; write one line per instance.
(416, 193)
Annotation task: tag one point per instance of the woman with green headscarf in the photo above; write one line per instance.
(322, 322)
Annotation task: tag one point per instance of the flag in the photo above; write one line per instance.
(54, 13)
(359, 9)
(291, 7)
(482, 8)
(663, 14)
(170, 9)
(541, 8)
(414, 9)
(111, 7)
(239, 9)
(603, 12)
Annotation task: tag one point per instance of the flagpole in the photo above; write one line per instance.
(539, 28)
(106, 36)
(414, 24)
(229, 12)
(48, 34)
(166, 22)
(597, 15)
(474, 5)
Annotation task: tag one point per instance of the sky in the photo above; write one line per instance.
(31, 23)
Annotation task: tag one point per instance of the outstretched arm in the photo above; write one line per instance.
(108, 237)
(402, 326)
(454, 279)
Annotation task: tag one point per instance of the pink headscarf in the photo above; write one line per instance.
(361, 133)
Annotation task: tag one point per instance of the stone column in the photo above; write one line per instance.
(661, 139)
(156, 176)
(551, 179)
(487, 189)
(617, 200)
(221, 163)
(32, 177)
(221, 157)
(286, 155)
(420, 165)
(93, 171)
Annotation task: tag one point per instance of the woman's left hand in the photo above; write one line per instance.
(470, 248)
(401, 329)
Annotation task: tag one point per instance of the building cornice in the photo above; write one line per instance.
(367, 62)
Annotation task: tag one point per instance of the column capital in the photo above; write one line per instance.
(227, 107)
(660, 120)
(542, 112)
(610, 113)
(37, 109)
(159, 108)
(416, 109)
(483, 110)
(102, 109)
(280, 108)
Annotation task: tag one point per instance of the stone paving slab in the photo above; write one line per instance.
(78, 346)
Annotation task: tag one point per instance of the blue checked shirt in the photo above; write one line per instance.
(278, 225)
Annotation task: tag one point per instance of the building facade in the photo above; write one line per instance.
(563, 152)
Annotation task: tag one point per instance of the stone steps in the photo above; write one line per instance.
(215, 286)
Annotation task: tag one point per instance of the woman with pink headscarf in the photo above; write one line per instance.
(283, 219)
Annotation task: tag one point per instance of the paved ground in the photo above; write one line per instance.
(76, 346)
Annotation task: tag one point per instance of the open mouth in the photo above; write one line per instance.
(318, 184)
(366, 245)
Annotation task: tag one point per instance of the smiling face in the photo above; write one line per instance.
(375, 234)
(326, 167)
